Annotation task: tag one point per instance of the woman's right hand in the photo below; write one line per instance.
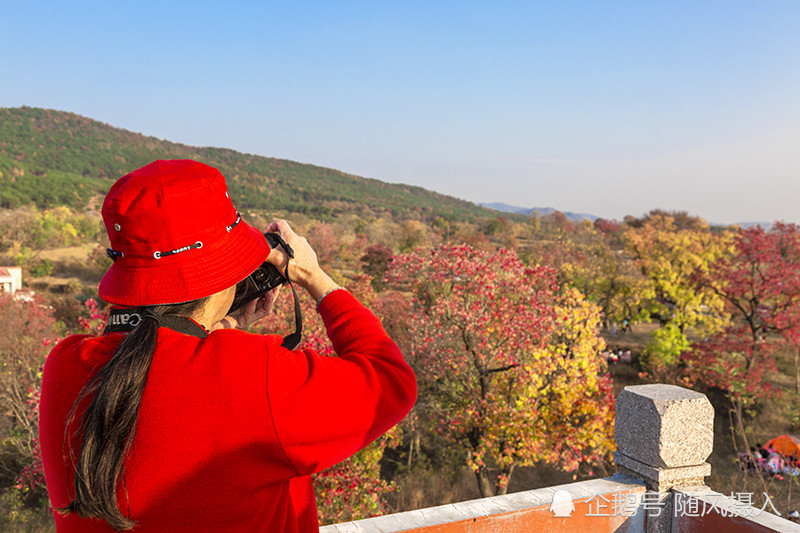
(304, 268)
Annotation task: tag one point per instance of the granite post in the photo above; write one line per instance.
(664, 435)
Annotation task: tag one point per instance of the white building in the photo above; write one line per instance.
(10, 279)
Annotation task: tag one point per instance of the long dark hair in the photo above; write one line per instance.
(108, 424)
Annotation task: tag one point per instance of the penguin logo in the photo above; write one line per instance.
(562, 506)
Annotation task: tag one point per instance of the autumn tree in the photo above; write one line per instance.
(413, 234)
(383, 230)
(556, 222)
(25, 232)
(27, 332)
(669, 250)
(502, 231)
(50, 228)
(508, 367)
(352, 240)
(325, 241)
(760, 285)
(374, 263)
(607, 227)
(576, 409)
(444, 227)
(584, 259)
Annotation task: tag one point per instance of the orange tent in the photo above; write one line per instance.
(785, 445)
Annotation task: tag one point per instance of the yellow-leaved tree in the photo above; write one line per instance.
(669, 249)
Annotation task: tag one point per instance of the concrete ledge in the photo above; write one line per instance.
(520, 512)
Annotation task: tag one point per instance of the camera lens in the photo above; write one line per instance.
(260, 275)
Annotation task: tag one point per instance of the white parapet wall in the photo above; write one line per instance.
(580, 507)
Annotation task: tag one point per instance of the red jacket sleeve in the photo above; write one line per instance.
(326, 408)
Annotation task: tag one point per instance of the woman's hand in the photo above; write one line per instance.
(250, 313)
(304, 268)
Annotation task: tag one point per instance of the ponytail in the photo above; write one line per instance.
(108, 425)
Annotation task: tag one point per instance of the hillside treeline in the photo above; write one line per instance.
(53, 158)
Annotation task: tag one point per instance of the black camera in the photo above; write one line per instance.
(264, 279)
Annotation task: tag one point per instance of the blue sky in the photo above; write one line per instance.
(609, 108)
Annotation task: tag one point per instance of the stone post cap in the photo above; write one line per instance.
(664, 426)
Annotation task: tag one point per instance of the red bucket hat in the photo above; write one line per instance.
(175, 236)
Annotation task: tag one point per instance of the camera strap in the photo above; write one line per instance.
(291, 341)
(124, 319)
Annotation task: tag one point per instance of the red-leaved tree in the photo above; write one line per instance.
(760, 284)
(27, 332)
(508, 367)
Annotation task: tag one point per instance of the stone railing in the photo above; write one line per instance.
(664, 437)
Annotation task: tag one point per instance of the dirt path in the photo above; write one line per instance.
(78, 253)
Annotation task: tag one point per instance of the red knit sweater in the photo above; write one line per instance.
(231, 426)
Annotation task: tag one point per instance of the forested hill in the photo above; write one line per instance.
(53, 158)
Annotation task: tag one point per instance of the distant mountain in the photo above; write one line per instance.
(52, 158)
(766, 226)
(499, 206)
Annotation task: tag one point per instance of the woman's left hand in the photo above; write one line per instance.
(250, 313)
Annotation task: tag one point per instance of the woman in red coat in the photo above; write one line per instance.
(176, 419)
